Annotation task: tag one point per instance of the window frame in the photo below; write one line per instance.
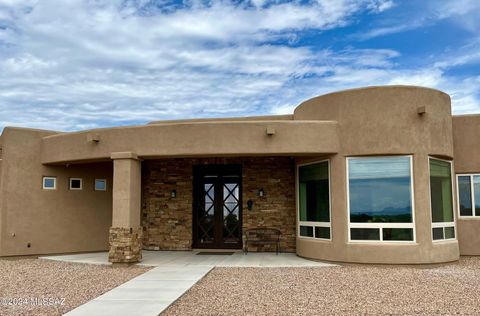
(313, 224)
(70, 184)
(381, 226)
(474, 215)
(442, 224)
(95, 184)
(54, 183)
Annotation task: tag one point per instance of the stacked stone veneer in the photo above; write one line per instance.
(167, 221)
(125, 245)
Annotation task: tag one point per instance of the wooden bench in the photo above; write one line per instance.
(262, 236)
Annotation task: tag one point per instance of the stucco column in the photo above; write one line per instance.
(126, 232)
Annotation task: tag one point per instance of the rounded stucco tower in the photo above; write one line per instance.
(396, 142)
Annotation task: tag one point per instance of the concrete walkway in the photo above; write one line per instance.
(148, 294)
(191, 258)
(175, 272)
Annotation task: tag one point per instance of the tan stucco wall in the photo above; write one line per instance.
(380, 120)
(466, 137)
(195, 139)
(53, 221)
(466, 143)
(369, 121)
(383, 121)
(469, 236)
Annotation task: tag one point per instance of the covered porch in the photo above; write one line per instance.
(199, 203)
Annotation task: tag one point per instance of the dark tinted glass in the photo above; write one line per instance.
(464, 195)
(441, 191)
(449, 232)
(306, 231)
(476, 190)
(76, 184)
(364, 233)
(437, 233)
(398, 234)
(314, 193)
(322, 232)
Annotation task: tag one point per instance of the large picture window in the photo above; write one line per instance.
(380, 198)
(314, 200)
(441, 200)
(469, 195)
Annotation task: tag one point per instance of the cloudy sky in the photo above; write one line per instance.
(70, 65)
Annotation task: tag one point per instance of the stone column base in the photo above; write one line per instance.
(125, 245)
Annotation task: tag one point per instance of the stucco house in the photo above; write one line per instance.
(370, 175)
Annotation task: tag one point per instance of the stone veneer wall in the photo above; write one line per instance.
(167, 221)
(125, 245)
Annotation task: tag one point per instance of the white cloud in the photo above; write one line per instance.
(82, 64)
(76, 64)
(464, 13)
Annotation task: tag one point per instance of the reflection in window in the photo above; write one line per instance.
(380, 198)
(380, 190)
(441, 200)
(476, 191)
(469, 195)
(231, 212)
(314, 200)
(100, 185)
(49, 183)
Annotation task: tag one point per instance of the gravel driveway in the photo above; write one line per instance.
(43, 285)
(351, 289)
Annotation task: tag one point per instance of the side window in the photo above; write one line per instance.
(441, 200)
(469, 195)
(380, 199)
(100, 185)
(314, 200)
(49, 183)
(76, 184)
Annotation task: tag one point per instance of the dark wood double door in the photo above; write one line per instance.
(217, 206)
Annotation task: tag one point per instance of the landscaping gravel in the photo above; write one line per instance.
(44, 287)
(344, 290)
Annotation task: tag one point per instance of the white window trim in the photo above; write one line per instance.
(381, 226)
(474, 215)
(54, 183)
(442, 224)
(75, 189)
(95, 184)
(297, 194)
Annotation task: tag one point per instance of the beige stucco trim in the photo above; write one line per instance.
(195, 139)
(124, 155)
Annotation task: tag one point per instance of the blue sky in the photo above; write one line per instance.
(70, 65)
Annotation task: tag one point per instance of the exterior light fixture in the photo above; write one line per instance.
(261, 193)
(173, 194)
